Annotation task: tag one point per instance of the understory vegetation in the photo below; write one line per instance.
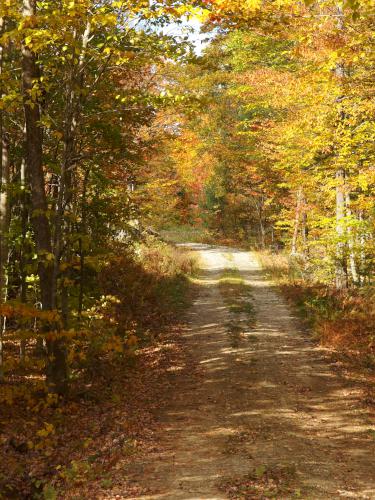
(52, 447)
(342, 319)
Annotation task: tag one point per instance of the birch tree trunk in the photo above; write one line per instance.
(352, 257)
(362, 255)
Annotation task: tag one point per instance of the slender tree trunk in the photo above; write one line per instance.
(362, 255)
(4, 236)
(72, 118)
(24, 220)
(4, 214)
(56, 370)
(352, 257)
(305, 229)
(4, 210)
(81, 249)
(297, 220)
(341, 263)
(64, 305)
(341, 259)
(81, 278)
(262, 232)
(2, 268)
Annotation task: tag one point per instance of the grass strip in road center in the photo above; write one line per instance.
(237, 297)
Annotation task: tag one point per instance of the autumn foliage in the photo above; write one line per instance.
(114, 128)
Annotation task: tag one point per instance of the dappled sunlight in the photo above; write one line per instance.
(270, 399)
(141, 142)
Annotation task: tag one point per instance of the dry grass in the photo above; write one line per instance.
(342, 319)
(187, 234)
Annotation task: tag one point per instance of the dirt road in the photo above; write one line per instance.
(263, 414)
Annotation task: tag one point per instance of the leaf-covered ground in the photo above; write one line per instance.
(83, 448)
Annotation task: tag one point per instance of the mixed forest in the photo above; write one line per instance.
(118, 137)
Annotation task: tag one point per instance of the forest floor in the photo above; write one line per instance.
(254, 409)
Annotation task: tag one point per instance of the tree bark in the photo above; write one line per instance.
(56, 370)
(24, 221)
(305, 229)
(81, 248)
(352, 256)
(297, 220)
(2, 319)
(4, 210)
(362, 255)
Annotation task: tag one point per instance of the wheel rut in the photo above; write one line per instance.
(264, 417)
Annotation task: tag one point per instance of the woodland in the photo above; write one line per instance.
(120, 139)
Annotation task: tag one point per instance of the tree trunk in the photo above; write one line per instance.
(341, 264)
(56, 370)
(24, 220)
(4, 214)
(4, 236)
(2, 268)
(71, 121)
(81, 247)
(305, 230)
(362, 255)
(341, 260)
(352, 257)
(297, 221)
(262, 232)
(4, 210)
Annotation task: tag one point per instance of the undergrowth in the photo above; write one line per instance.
(343, 319)
(50, 445)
